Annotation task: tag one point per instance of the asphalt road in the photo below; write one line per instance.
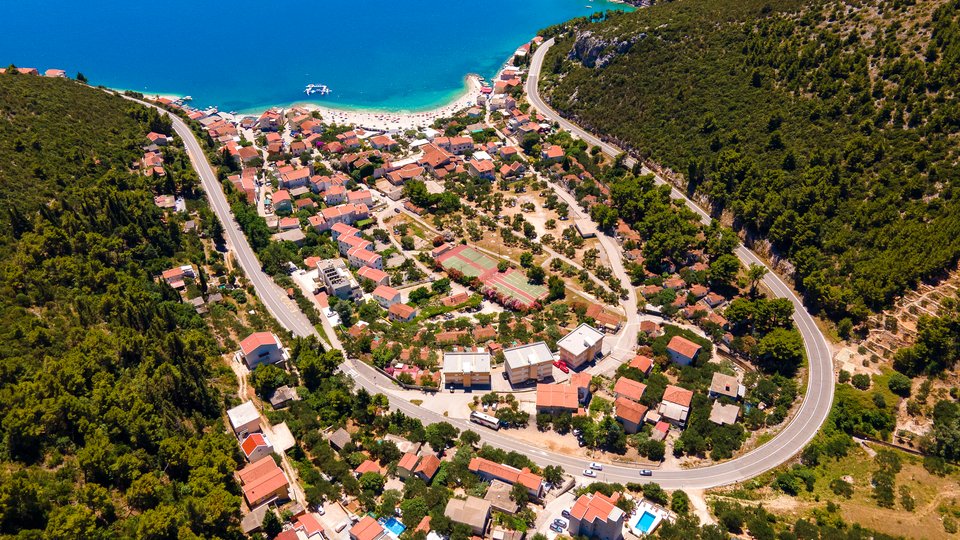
(273, 297)
(819, 392)
(789, 441)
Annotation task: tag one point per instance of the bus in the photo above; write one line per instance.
(485, 420)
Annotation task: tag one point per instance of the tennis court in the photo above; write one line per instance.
(467, 261)
(514, 284)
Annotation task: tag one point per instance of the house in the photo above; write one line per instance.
(532, 361)
(377, 276)
(558, 398)
(407, 464)
(724, 414)
(256, 447)
(263, 481)
(597, 516)
(675, 405)
(335, 195)
(382, 142)
(580, 346)
(490, 470)
(244, 418)
(367, 528)
(248, 154)
(309, 525)
(481, 168)
(629, 388)
(630, 414)
(466, 369)
(360, 197)
(642, 363)
(55, 73)
(713, 299)
(294, 235)
(158, 139)
(401, 313)
(294, 178)
(262, 348)
(552, 153)
(386, 296)
(660, 431)
(288, 223)
(682, 351)
(360, 256)
(282, 396)
(650, 328)
(340, 231)
(348, 242)
(175, 276)
(455, 299)
(472, 512)
(367, 466)
(498, 495)
(253, 520)
(339, 438)
(427, 468)
(726, 386)
(281, 201)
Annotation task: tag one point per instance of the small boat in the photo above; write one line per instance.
(321, 89)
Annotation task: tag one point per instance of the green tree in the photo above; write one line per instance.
(441, 435)
(266, 378)
(680, 502)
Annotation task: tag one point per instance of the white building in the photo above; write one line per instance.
(262, 348)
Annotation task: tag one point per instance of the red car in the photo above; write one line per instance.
(562, 366)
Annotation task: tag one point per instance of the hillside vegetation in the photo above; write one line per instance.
(108, 428)
(829, 128)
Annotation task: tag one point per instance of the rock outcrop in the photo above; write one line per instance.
(594, 51)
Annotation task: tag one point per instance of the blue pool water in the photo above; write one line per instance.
(645, 522)
(250, 54)
(393, 525)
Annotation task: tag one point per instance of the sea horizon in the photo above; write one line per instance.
(384, 58)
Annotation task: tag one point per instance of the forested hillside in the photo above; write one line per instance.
(828, 127)
(107, 426)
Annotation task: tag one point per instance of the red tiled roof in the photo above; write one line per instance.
(557, 396)
(680, 396)
(630, 410)
(366, 529)
(402, 311)
(367, 466)
(428, 466)
(642, 363)
(257, 339)
(506, 473)
(252, 442)
(408, 461)
(629, 388)
(683, 346)
(590, 508)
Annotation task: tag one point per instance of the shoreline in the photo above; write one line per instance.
(369, 119)
(393, 121)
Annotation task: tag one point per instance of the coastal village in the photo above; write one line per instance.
(468, 263)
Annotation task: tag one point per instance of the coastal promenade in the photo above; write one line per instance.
(820, 384)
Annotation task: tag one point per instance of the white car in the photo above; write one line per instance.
(596, 466)
(590, 472)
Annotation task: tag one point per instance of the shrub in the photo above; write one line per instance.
(900, 384)
(860, 381)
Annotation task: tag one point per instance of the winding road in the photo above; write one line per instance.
(791, 439)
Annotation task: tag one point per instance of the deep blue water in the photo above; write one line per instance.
(249, 54)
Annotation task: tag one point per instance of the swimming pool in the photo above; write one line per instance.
(645, 523)
(393, 525)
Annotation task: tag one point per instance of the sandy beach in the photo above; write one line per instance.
(398, 121)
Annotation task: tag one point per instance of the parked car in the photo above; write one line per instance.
(555, 528)
(565, 513)
(396, 210)
(562, 366)
(560, 522)
(596, 466)
(646, 472)
(590, 472)
(580, 442)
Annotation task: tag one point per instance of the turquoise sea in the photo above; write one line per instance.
(251, 54)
